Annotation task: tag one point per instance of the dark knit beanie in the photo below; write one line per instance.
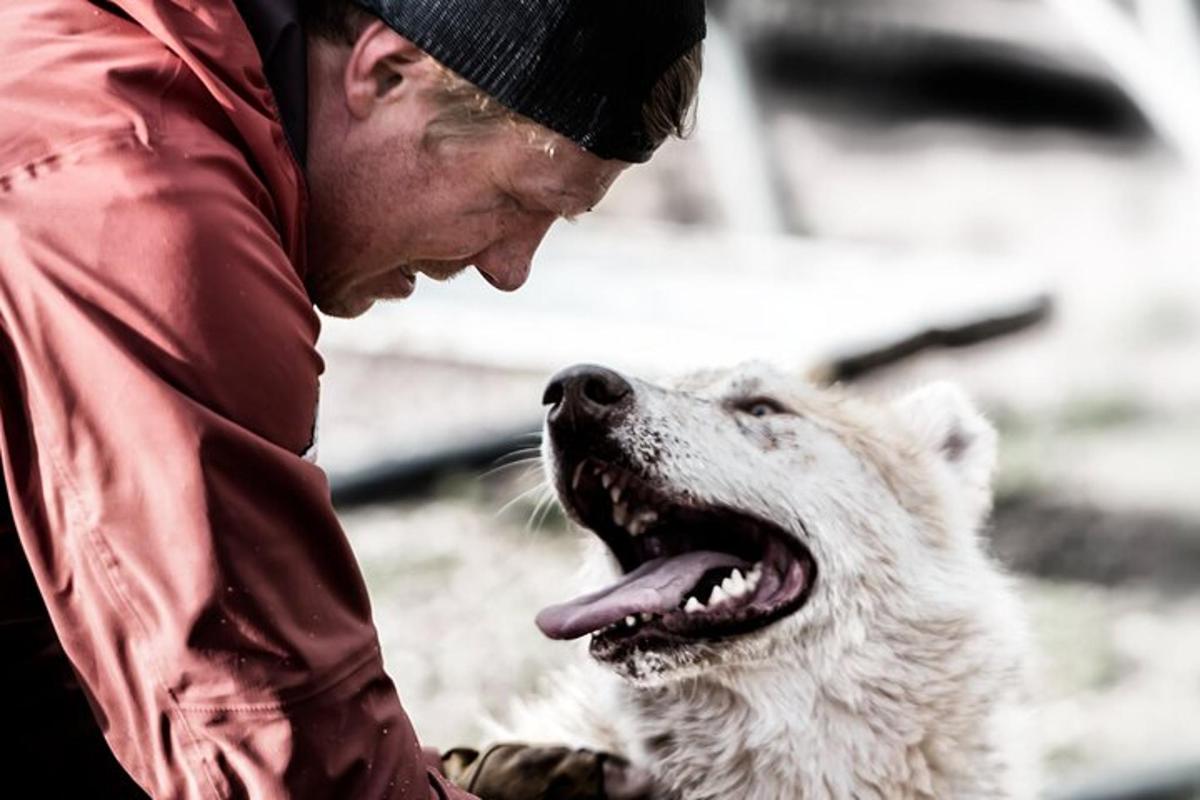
(582, 68)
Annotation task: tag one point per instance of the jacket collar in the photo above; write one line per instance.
(279, 36)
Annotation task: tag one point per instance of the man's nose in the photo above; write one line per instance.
(586, 395)
(507, 263)
(507, 275)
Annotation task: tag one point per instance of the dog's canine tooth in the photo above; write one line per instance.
(606, 480)
(621, 514)
(735, 584)
(615, 494)
(693, 606)
(630, 621)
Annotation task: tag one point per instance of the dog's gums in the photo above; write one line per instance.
(690, 572)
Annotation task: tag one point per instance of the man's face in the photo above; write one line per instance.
(389, 204)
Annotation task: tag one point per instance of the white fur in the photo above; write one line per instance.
(904, 674)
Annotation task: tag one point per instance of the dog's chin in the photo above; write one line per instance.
(646, 666)
(655, 669)
(699, 583)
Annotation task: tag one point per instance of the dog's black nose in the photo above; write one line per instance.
(586, 393)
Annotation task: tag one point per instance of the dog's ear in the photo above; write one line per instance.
(946, 421)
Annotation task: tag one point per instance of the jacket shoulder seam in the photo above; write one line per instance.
(70, 152)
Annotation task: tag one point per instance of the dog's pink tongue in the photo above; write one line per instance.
(656, 587)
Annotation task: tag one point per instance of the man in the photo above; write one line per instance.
(179, 184)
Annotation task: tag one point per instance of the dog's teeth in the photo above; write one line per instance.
(642, 520)
(621, 514)
(647, 616)
(606, 480)
(735, 584)
(630, 621)
(615, 494)
(693, 605)
(717, 597)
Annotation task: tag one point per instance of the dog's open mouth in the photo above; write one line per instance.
(690, 572)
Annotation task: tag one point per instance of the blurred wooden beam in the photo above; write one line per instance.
(1153, 53)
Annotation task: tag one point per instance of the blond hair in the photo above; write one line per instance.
(467, 111)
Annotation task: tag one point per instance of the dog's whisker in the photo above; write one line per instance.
(522, 496)
(543, 507)
(530, 464)
(537, 507)
(524, 454)
(521, 450)
(547, 507)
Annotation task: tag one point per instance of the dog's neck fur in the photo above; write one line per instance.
(765, 735)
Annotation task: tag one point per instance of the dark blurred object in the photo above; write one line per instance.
(1006, 62)
(1049, 538)
(418, 474)
(857, 365)
(1171, 783)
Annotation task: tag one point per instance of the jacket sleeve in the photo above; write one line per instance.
(159, 385)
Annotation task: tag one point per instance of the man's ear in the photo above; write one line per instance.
(381, 66)
(947, 423)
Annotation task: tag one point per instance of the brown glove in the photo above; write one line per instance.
(522, 772)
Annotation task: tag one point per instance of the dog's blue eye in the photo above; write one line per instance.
(760, 407)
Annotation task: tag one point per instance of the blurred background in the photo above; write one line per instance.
(863, 172)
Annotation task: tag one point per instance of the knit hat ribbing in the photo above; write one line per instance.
(583, 68)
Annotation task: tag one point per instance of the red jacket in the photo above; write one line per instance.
(158, 387)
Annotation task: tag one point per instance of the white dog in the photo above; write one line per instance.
(798, 605)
